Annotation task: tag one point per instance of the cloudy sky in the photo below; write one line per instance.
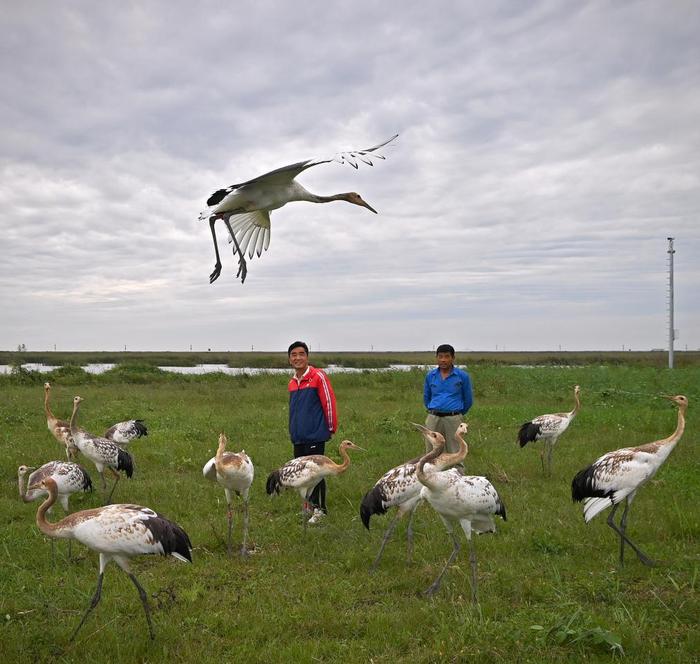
(547, 149)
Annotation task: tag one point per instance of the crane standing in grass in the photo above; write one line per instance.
(234, 472)
(548, 428)
(305, 472)
(400, 488)
(116, 532)
(470, 500)
(69, 477)
(60, 429)
(123, 433)
(102, 452)
(618, 475)
(245, 207)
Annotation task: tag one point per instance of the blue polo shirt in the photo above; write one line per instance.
(451, 394)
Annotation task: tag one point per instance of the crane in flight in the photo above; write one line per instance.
(245, 208)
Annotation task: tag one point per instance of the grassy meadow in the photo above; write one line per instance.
(550, 587)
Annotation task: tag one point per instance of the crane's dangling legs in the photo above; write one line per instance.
(217, 266)
(242, 265)
(620, 530)
(435, 586)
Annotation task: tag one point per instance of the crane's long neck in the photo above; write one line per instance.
(339, 468)
(577, 405)
(219, 458)
(22, 487)
(50, 529)
(50, 417)
(671, 441)
(423, 477)
(315, 198)
(452, 458)
(74, 419)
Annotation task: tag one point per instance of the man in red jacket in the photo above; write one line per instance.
(313, 417)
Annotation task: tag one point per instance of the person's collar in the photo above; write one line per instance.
(304, 375)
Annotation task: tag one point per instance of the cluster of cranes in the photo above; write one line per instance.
(118, 532)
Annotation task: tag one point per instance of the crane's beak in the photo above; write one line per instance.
(357, 447)
(420, 427)
(368, 206)
(33, 487)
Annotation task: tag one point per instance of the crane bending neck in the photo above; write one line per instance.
(50, 529)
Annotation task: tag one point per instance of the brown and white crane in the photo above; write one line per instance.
(60, 429)
(470, 500)
(400, 488)
(234, 472)
(548, 428)
(618, 475)
(118, 533)
(305, 472)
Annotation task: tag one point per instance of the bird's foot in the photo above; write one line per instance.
(215, 274)
(244, 553)
(242, 269)
(430, 591)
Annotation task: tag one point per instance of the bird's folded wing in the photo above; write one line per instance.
(252, 231)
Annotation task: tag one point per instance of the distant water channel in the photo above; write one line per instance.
(214, 368)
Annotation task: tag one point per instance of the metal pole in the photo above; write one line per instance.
(671, 331)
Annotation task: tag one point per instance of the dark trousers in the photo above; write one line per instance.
(318, 495)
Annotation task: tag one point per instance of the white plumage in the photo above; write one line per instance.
(304, 473)
(245, 207)
(234, 472)
(469, 500)
(618, 475)
(126, 432)
(69, 477)
(548, 428)
(102, 452)
(400, 488)
(116, 532)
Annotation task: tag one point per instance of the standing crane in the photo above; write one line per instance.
(69, 477)
(60, 429)
(102, 452)
(548, 428)
(305, 472)
(470, 500)
(116, 532)
(618, 475)
(123, 433)
(400, 488)
(234, 472)
(245, 208)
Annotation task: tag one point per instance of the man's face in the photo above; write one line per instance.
(445, 361)
(299, 359)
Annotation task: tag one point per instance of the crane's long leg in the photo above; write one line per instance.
(387, 536)
(623, 538)
(550, 449)
(229, 515)
(472, 562)
(144, 601)
(242, 265)
(217, 266)
(114, 486)
(94, 602)
(409, 533)
(436, 584)
(244, 546)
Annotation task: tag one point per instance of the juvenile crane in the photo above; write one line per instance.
(234, 472)
(245, 207)
(548, 428)
(123, 433)
(470, 500)
(69, 477)
(305, 472)
(102, 452)
(116, 532)
(618, 475)
(60, 429)
(400, 488)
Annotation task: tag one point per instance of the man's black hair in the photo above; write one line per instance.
(297, 344)
(445, 348)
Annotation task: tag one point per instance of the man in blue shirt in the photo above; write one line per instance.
(447, 395)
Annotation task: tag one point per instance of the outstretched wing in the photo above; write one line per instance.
(286, 174)
(252, 231)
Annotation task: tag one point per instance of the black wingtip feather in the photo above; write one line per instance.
(125, 462)
(528, 433)
(171, 536)
(371, 504)
(273, 483)
(583, 486)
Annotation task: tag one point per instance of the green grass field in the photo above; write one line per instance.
(550, 587)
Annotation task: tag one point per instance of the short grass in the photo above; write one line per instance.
(550, 587)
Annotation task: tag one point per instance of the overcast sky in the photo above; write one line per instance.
(547, 149)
